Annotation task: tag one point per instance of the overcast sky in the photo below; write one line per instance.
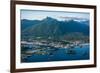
(60, 15)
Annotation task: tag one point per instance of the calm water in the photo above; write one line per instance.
(61, 54)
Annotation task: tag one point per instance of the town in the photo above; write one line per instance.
(60, 44)
(36, 45)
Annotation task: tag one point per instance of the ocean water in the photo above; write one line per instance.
(61, 54)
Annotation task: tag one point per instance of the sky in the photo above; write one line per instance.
(59, 15)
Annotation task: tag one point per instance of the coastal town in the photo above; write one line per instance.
(35, 46)
(60, 44)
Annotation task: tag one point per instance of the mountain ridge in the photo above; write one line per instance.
(52, 27)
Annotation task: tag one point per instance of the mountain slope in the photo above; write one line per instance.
(50, 27)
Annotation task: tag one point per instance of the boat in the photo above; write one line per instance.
(71, 52)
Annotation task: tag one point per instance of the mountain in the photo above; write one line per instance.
(28, 23)
(50, 27)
